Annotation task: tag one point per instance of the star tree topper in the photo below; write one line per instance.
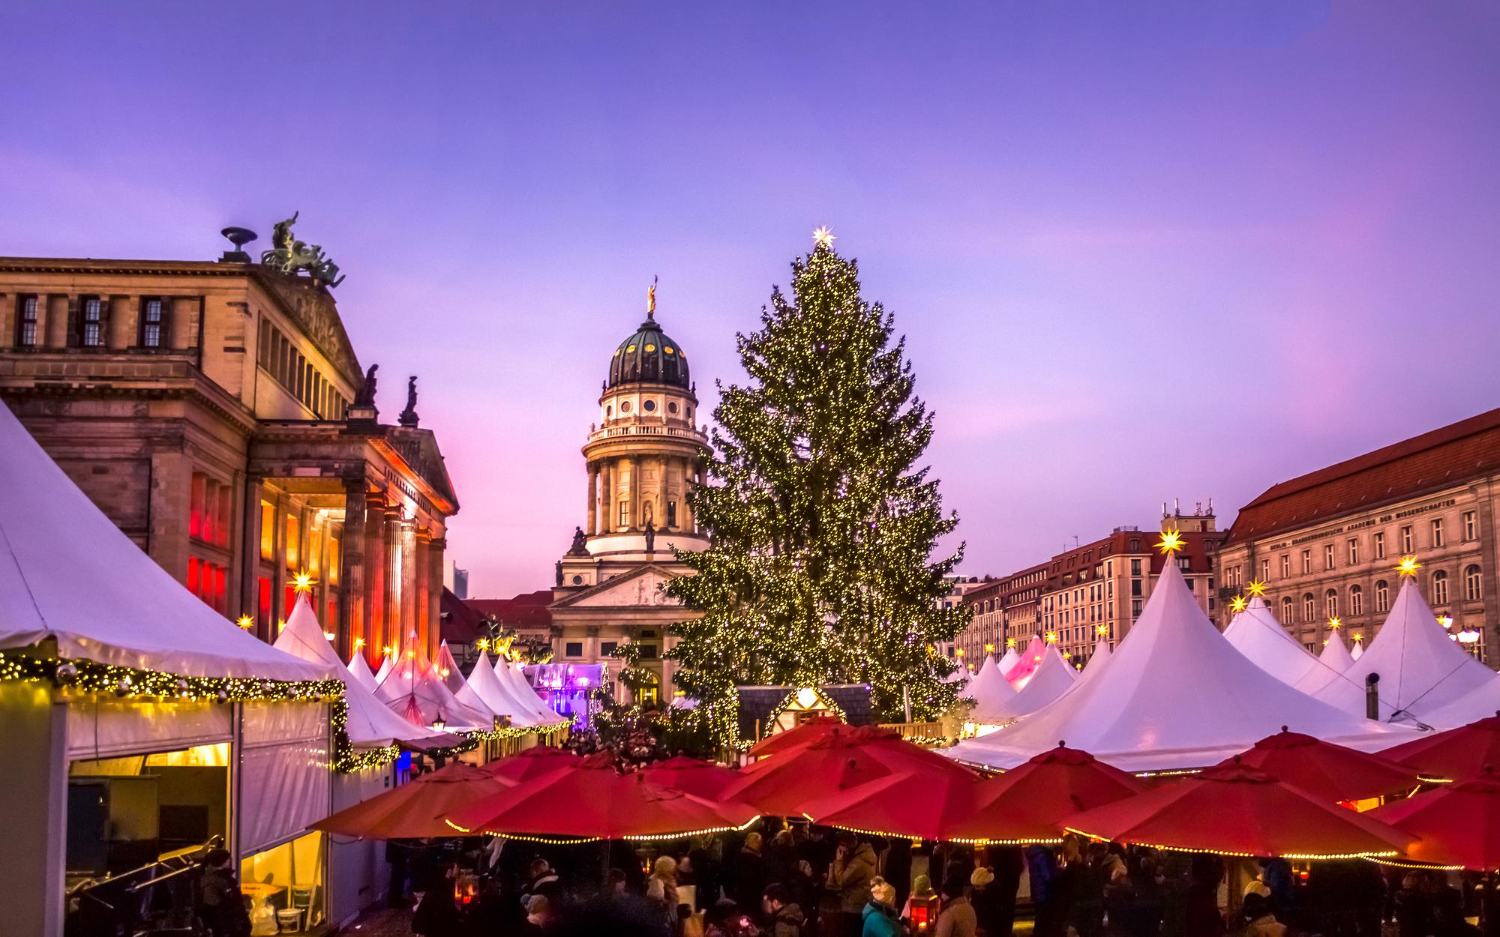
(823, 237)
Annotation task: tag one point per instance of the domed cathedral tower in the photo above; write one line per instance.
(643, 458)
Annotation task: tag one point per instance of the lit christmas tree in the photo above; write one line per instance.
(823, 529)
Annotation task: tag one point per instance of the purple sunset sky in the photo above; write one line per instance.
(1190, 252)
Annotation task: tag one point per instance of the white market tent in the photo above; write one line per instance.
(69, 575)
(369, 724)
(484, 683)
(1009, 661)
(386, 666)
(1421, 669)
(1358, 652)
(1098, 661)
(1332, 662)
(1175, 695)
(1477, 704)
(1052, 678)
(453, 678)
(414, 691)
(512, 675)
(989, 690)
(1030, 659)
(360, 671)
(1257, 634)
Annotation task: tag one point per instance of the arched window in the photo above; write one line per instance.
(1473, 584)
(1440, 588)
(1356, 600)
(1309, 609)
(1382, 596)
(1331, 603)
(1286, 609)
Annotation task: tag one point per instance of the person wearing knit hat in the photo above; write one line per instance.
(981, 877)
(880, 913)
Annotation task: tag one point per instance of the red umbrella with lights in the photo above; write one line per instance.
(1029, 803)
(592, 800)
(692, 776)
(530, 763)
(1452, 755)
(841, 760)
(814, 728)
(909, 804)
(1457, 825)
(1232, 809)
(1326, 770)
(414, 810)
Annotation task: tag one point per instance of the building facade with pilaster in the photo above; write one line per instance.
(210, 409)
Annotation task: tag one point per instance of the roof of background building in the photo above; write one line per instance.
(756, 703)
(1432, 461)
(526, 611)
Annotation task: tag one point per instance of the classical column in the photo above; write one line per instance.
(606, 497)
(171, 487)
(376, 565)
(121, 322)
(408, 573)
(593, 499)
(394, 634)
(420, 585)
(634, 497)
(249, 565)
(351, 593)
(435, 584)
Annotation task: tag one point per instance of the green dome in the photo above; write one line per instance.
(649, 356)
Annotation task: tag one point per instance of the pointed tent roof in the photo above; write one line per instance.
(1175, 695)
(1358, 652)
(989, 689)
(1421, 669)
(413, 688)
(1098, 661)
(1009, 661)
(523, 692)
(369, 723)
(1052, 678)
(453, 678)
(386, 666)
(1480, 703)
(1333, 661)
(69, 575)
(360, 671)
(487, 686)
(1027, 661)
(1257, 634)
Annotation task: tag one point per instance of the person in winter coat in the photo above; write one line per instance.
(219, 902)
(783, 917)
(747, 878)
(661, 891)
(957, 919)
(880, 912)
(1260, 922)
(849, 876)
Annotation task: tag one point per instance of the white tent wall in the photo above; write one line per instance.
(33, 732)
(358, 872)
(284, 779)
(100, 727)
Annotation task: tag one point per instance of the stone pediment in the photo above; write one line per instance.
(318, 315)
(641, 587)
(419, 448)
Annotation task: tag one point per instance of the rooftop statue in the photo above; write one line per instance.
(365, 396)
(409, 415)
(288, 255)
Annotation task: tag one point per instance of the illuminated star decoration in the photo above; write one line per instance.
(302, 582)
(1358, 636)
(482, 644)
(1238, 603)
(1335, 623)
(246, 622)
(1171, 541)
(1010, 642)
(359, 643)
(1256, 587)
(1052, 637)
(989, 648)
(823, 237)
(1102, 630)
(388, 650)
(1408, 566)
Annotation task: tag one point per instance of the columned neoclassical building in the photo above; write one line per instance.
(641, 459)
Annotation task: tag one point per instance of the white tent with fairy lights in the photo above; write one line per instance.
(370, 724)
(1257, 634)
(453, 678)
(485, 683)
(1422, 670)
(513, 676)
(1053, 677)
(415, 691)
(1332, 662)
(359, 671)
(988, 689)
(1174, 695)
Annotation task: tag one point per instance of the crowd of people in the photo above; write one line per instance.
(807, 881)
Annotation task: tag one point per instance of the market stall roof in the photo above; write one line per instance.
(1098, 661)
(414, 690)
(1175, 695)
(692, 776)
(513, 675)
(1357, 652)
(1456, 824)
(369, 723)
(1421, 669)
(1455, 754)
(1326, 770)
(69, 575)
(1027, 661)
(415, 810)
(1333, 661)
(1052, 678)
(386, 666)
(1472, 707)
(989, 689)
(1257, 634)
(1028, 804)
(1009, 661)
(360, 671)
(453, 679)
(484, 683)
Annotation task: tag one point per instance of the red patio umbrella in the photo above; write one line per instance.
(1236, 810)
(908, 804)
(692, 776)
(530, 763)
(591, 800)
(1456, 824)
(414, 810)
(1331, 772)
(805, 732)
(786, 784)
(1456, 755)
(1027, 804)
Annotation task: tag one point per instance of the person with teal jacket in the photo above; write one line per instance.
(880, 912)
